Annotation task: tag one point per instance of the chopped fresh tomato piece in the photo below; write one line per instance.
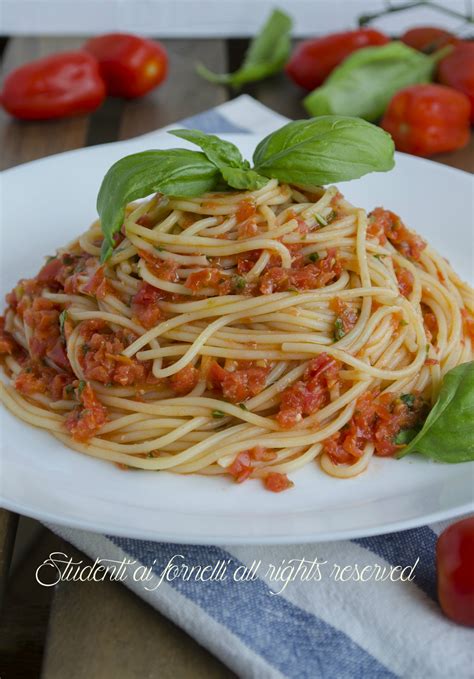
(405, 280)
(86, 420)
(205, 278)
(42, 316)
(247, 229)
(36, 378)
(246, 210)
(145, 305)
(101, 356)
(261, 454)
(7, 343)
(241, 467)
(430, 322)
(184, 380)
(346, 317)
(50, 271)
(166, 269)
(387, 225)
(455, 571)
(309, 394)
(376, 419)
(237, 385)
(98, 285)
(277, 482)
(309, 277)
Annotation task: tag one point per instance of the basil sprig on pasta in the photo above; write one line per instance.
(309, 152)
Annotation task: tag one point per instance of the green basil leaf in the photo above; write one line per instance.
(219, 151)
(174, 172)
(448, 432)
(248, 180)
(404, 436)
(366, 81)
(324, 150)
(62, 320)
(227, 157)
(267, 54)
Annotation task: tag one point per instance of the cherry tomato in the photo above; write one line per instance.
(313, 60)
(428, 119)
(131, 66)
(428, 38)
(64, 84)
(455, 571)
(457, 70)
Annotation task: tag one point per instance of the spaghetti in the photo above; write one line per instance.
(238, 333)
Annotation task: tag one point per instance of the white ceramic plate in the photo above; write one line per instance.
(44, 205)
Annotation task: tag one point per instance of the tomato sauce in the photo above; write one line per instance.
(238, 385)
(145, 306)
(405, 280)
(101, 356)
(88, 417)
(384, 224)
(309, 394)
(377, 419)
(308, 277)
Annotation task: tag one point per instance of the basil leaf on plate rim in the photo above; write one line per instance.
(448, 432)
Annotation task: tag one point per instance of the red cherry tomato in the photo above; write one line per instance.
(428, 38)
(455, 571)
(131, 66)
(64, 84)
(428, 119)
(313, 60)
(457, 70)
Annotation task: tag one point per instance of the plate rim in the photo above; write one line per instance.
(97, 526)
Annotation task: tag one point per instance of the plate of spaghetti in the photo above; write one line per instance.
(238, 330)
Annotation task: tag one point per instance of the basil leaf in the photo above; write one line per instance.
(174, 172)
(404, 436)
(366, 81)
(243, 179)
(219, 151)
(227, 157)
(448, 432)
(267, 54)
(324, 150)
(62, 320)
(408, 400)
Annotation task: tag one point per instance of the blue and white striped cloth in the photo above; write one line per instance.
(316, 629)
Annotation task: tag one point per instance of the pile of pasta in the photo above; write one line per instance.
(239, 333)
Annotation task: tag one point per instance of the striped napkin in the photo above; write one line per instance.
(262, 622)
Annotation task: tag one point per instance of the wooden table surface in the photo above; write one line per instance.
(104, 630)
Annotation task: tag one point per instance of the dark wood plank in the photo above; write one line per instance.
(22, 141)
(104, 630)
(8, 524)
(278, 92)
(183, 93)
(24, 619)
